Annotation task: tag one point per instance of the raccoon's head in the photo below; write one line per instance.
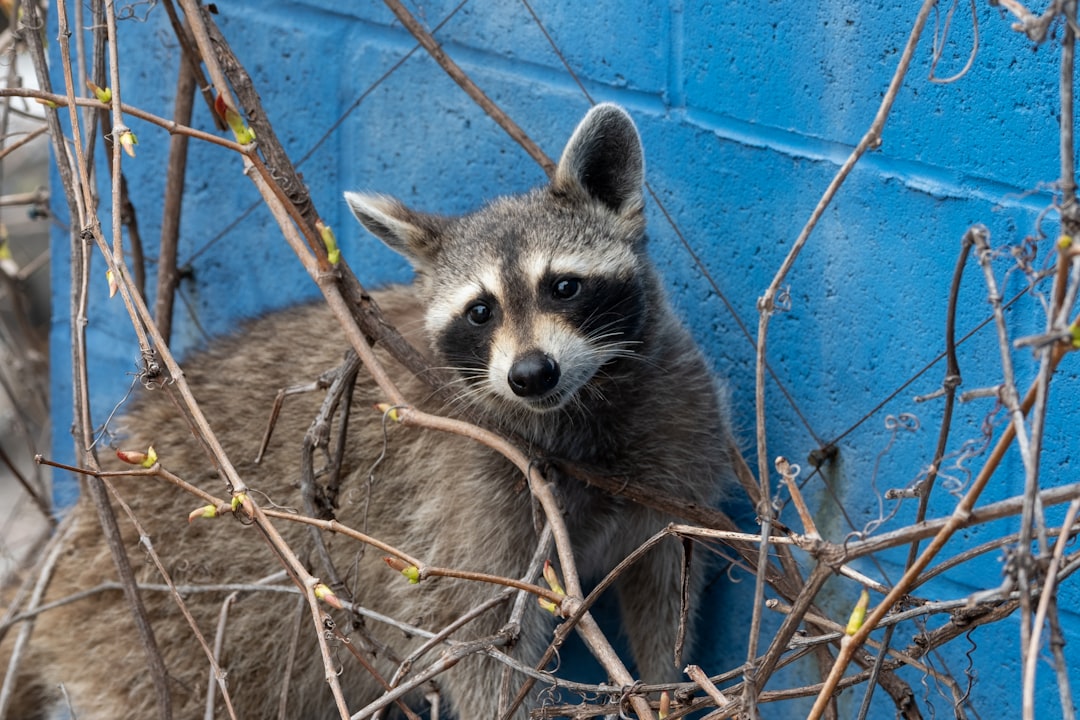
(536, 300)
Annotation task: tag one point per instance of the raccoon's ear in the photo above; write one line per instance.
(413, 234)
(604, 159)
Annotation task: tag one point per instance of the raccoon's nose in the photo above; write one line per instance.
(533, 374)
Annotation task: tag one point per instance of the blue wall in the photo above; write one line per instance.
(746, 112)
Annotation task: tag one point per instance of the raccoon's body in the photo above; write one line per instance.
(553, 321)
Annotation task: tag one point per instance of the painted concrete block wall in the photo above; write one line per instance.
(746, 111)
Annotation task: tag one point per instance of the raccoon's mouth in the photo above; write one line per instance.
(546, 403)
(557, 398)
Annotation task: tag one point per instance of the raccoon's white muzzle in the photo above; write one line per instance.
(550, 372)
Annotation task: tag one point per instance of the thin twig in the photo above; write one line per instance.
(171, 126)
(26, 139)
(34, 493)
(767, 303)
(1010, 399)
(698, 675)
(752, 683)
(871, 140)
(84, 445)
(1046, 598)
(217, 675)
(471, 88)
(168, 277)
(52, 555)
(960, 516)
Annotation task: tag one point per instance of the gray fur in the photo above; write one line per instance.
(649, 414)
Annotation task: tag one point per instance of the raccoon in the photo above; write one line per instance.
(554, 326)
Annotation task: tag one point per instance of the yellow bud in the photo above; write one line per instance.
(237, 501)
(548, 605)
(104, 95)
(128, 141)
(858, 614)
(411, 572)
(113, 284)
(243, 133)
(552, 578)
(206, 511)
(7, 261)
(389, 411)
(151, 457)
(333, 254)
(324, 593)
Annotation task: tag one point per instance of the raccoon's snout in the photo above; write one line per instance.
(533, 374)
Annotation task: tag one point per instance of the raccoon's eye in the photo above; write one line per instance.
(565, 288)
(478, 313)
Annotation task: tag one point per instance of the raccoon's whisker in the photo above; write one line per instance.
(609, 352)
(411, 330)
(469, 396)
(602, 331)
(599, 340)
(625, 346)
(638, 358)
(595, 393)
(452, 401)
(466, 388)
(451, 374)
(600, 335)
(463, 371)
(625, 349)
